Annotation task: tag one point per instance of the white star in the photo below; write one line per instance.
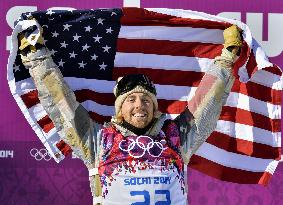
(66, 27)
(76, 37)
(17, 68)
(109, 30)
(102, 66)
(63, 45)
(94, 57)
(106, 48)
(87, 29)
(53, 52)
(55, 34)
(50, 12)
(61, 63)
(85, 47)
(113, 13)
(97, 38)
(99, 21)
(82, 64)
(73, 55)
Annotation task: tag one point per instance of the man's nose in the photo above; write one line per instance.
(139, 103)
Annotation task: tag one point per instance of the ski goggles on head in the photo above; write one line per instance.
(129, 82)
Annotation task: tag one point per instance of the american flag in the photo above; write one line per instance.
(174, 48)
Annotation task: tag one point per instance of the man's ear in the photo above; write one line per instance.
(119, 118)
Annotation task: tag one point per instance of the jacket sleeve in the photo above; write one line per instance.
(200, 117)
(70, 118)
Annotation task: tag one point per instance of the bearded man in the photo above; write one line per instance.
(140, 156)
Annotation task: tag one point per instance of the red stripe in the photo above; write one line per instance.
(99, 118)
(143, 17)
(252, 66)
(184, 78)
(228, 114)
(178, 78)
(173, 77)
(100, 98)
(172, 48)
(220, 140)
(228, 174)
(30, 99)
(175, 107)
(244, 55)
(258, 91)
(274, 69)
(64, 148)
(245, 147)
(245, 117)
(46, 124)
(165, 106)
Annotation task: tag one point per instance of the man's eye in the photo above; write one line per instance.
(146, 101)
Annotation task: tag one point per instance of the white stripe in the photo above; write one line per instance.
(37, 111)
(131, 3)
(103, 86)
(254, 105)
(24, 86)
(165, 62)
(98, 108)
(168, 92)
(247, 37)
(184, 93)
(100, 86)
(180, 93)
(183, 63)
(267, 79)
(204, 16)
(233, 160)
(249, 133)
(182, 34)
(186, 14)
(260, 57)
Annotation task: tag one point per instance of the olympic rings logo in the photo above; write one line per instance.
(40, 154)
(154, 149)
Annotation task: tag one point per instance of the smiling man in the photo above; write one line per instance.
(140, 156)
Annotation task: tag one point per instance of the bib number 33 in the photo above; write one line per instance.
(146, 195)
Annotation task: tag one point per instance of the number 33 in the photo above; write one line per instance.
(147, 197)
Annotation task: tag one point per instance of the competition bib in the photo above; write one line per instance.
(139, 170)
(146, 187)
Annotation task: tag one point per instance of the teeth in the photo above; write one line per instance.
(139, 115)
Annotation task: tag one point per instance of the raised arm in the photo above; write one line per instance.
(199, 119)
(70, 118)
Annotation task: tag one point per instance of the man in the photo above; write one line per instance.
(138, 157)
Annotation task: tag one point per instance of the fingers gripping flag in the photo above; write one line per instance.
(92, 48)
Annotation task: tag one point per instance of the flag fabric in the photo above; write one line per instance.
(174, 48)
